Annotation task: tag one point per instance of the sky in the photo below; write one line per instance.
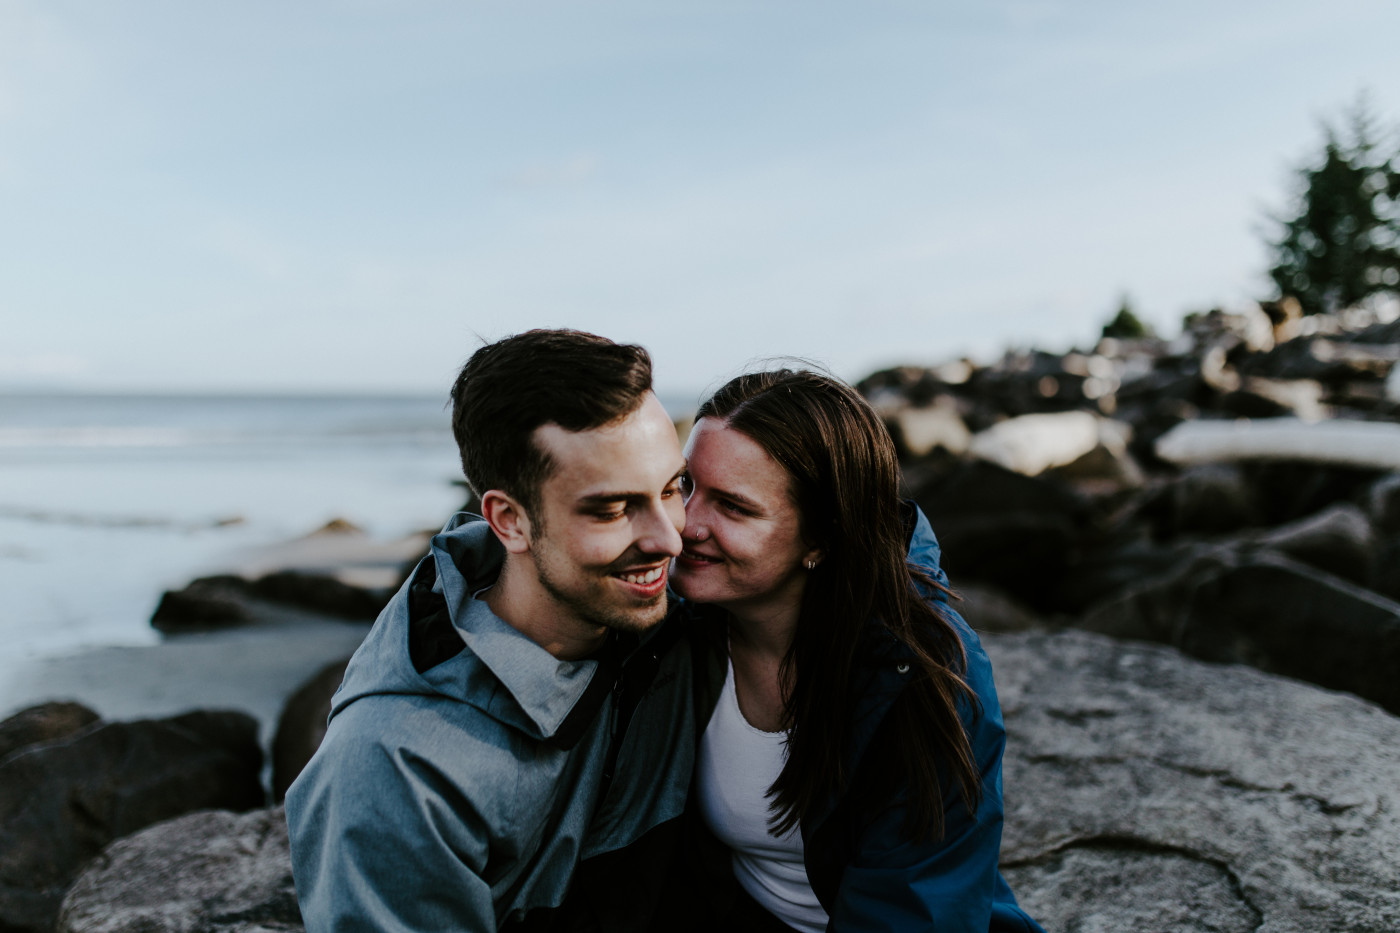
(350, 196)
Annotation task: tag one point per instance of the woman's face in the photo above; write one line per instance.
(743, 546)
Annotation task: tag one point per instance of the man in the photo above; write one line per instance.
(520, 715)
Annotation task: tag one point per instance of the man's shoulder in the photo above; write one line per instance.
(430, 729)
(389, 752)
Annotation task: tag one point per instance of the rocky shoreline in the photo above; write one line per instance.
(1184, 556)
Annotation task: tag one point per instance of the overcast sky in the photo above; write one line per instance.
(344, 196)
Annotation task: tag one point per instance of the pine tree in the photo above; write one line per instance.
(1343, 245)
(1126, 324)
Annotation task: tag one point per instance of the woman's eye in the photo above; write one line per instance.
(687, 485)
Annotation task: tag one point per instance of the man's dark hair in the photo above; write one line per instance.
(507, 389)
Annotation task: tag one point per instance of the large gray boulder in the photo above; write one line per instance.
(46, 722)
(302, 725)
(1002, 528)
(208, 872)
(1146, 791)
(1263, 609)
(63, 802)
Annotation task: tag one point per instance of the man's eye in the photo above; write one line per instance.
(610, 515)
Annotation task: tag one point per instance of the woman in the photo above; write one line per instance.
(852, 761)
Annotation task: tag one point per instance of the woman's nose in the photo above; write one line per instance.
(695, 529)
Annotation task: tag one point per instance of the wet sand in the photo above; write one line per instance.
(253, 669)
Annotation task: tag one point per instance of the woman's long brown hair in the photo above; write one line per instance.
(845, 480)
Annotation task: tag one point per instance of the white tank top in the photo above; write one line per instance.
(737, 765)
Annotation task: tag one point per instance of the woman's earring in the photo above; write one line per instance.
(811, 565)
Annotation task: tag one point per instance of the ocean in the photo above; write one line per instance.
(107, 500)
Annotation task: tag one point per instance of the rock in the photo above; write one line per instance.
(1024, 383)
(339, 552)
(1134, 887)
(1286, 316)
(981, 488)
(320, 593)
(1152, 417)
(888, 390)
(988, 609)
(302, 726)
(213, 872)
(1032, 444)
(1383, 502)
(1207, 499)
(1362, 444)
(338, 526)
(917, 431)
(1328, 360)
(207, 603)
(225, 601)
(1004, 529)
(1287, 491)
(1118, 562)
(1107, 468)
(1272, 398)
(1265, 610)
(1249, 329)
(63, 802)
(46, 722)
(1338, 540)
(1379, 331)
(1147, 791)
(1385, 567)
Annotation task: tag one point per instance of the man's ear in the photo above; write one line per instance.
(507, 519)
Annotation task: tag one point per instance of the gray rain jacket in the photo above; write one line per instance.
(467, 775)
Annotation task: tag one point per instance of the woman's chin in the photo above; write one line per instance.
(681, 586)
(686, 586)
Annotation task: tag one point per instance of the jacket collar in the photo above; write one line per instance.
(539, 689)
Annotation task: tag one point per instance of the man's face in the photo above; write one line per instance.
(609, 518)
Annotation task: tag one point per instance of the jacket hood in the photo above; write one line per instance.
(924, 551)
(501, 671)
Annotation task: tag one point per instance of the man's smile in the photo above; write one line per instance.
(642, 579)
(646, 582)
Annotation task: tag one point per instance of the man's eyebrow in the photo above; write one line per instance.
(602, 498)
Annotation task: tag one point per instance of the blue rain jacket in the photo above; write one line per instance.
(467, 776)
(867, 874)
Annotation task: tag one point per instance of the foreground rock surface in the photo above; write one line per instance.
(212, 872)
(62, 802)
(1147, 791)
